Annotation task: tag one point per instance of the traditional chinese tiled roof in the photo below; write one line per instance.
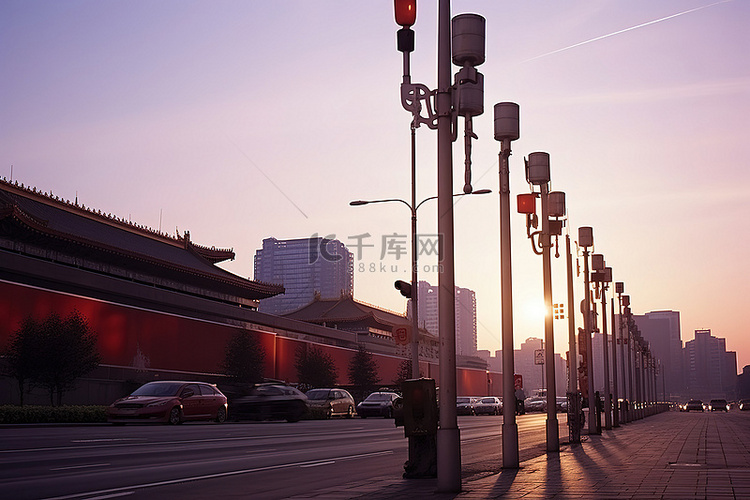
(345, 311)
(30, 215)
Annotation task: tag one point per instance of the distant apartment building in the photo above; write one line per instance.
(662, 331)
(711, 371)
(466, 316)
(306, 267)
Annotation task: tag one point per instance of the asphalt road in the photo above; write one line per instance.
(231, 460)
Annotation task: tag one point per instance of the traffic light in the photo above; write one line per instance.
(559, 311)
(406, 12)
(404, 288)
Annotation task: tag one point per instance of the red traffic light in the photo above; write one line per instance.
(406, 12)
(526, 203)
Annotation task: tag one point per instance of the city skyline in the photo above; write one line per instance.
(239, 122)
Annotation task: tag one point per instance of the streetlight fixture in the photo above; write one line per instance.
(418, 446)
(507, 129)
(412, 291)
(586, 240)
(615, 388)
(602, 277)
(464, 98)
(537, 174)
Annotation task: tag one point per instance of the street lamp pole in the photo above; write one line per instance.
(414, 282)
(506, 130)
(586, 240)
(615, 388)
(538, 174)
(448, 435)
(574, 401)
(553, 438)
(413, 208)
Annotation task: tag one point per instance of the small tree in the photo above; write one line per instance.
(52, 353)
(244, 358)
(363, 372)
(315, 368)
(67, 350)
(22, 354)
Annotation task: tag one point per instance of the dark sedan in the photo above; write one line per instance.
(377, 404)
(170, 402)
(269, 402)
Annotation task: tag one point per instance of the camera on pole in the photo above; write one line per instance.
(404, 288)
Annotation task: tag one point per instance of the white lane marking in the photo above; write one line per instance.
(156, 443)
(114, 495)
(80, 466)
(329, 462)
(214, 476)
(107, 440)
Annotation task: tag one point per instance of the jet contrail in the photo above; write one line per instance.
(627, 29)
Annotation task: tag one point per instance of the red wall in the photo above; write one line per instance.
(179, 343)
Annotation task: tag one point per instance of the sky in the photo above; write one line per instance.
(241, 120)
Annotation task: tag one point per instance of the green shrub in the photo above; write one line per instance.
(31, 414)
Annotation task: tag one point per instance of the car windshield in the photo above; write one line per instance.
(157, 389)
(318, 394)
(378, 397)
(463, 400)
(488, 400)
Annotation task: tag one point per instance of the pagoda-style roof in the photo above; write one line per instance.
(42, 220)
(345, 313)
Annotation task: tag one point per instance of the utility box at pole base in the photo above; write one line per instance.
(420, 411)
(420, 420)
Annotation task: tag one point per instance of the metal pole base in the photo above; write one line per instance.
(449, 460)
(510, 446)
(553, 435)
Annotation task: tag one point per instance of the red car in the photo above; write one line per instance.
(170, 402)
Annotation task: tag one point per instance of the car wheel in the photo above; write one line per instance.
(329, 412)
(350, 412)
(221, 415)
(175, 416)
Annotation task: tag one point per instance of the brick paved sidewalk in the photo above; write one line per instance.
(671, 456)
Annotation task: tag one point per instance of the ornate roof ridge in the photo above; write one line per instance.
(212, 253)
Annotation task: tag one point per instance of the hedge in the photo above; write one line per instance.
(31, 414)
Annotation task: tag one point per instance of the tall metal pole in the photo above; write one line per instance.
(574, 430)
(510, 428)
(553, 438)
(414, 264)
(607, 394)
(587, 336)
(615, 389)
(631, 369)
(448, 436)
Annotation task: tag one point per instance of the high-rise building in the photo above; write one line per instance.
(466, 316)
(711, 371)
(306, 267)
(662, 331)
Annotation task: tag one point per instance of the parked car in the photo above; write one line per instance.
(489, 405)
(170, 402)
(718, 405)
(535, 404)
(377, 404)
(330, 402)
(694, 405)
(269, 402)
(744, 404)
(465, 405)
(562, 403)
